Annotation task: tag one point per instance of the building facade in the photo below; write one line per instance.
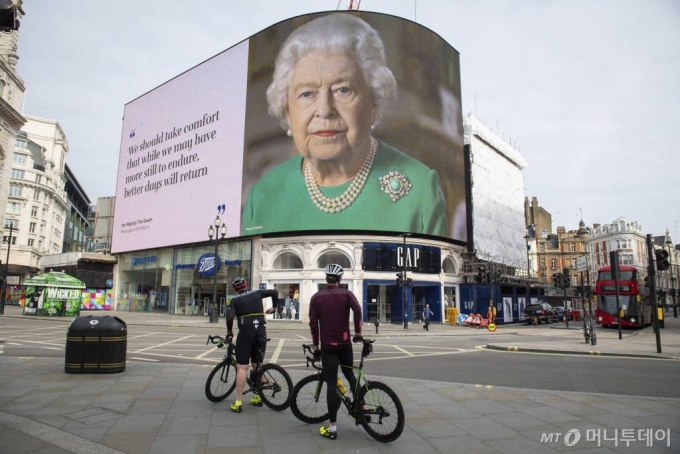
(11, 101)
(37, 206)
(623, 235)
(77, 230)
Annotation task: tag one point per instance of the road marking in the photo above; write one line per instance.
(206, 353)
(277, 352)
(164, 344)
(144, 359)
(402, 350)
(52, 348)
(301, 337)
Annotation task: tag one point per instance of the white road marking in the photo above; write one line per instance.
(302, 337)
(277, 352)
(165, 343)
(144, 359)
(402, 350)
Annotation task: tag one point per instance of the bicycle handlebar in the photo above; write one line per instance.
(367, 349)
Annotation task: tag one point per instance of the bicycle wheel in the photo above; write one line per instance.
(383, 418)
(221, 381)
(275, 387)
(308, 400)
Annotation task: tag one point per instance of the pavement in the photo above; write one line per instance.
(161, 407)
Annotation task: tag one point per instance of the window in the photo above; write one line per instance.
(14, 223)
(15, 190)
(553, 264)
(288, 261)
(573, 263)
(38, 178)
(31, 227)
(13, 208)
(20, 144)
(5, 240)
(36, 195)
(31, 241)
(572, 247)
(334, 257)
(34, 211)
(541, 247)
(542, 264)
(20, 159)
(17, 174)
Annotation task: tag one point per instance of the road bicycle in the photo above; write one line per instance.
(376, 406)
(270, 381)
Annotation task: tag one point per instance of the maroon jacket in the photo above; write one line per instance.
(329, 314)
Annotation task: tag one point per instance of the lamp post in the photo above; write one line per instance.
(403, 277)
(3, 287)
(212, 230)
(669, 245)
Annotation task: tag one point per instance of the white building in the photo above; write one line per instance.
(11, 100)
(623, 235)
(37, 204)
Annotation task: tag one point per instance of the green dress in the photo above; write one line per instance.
(280, 202)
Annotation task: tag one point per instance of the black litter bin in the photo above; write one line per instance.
(96, 345)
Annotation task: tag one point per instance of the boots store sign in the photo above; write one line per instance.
(396, 256)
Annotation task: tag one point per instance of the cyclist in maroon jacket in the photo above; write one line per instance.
(329, 321)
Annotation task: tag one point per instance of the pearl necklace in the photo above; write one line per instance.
(340, 203)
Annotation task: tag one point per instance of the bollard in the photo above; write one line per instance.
(376, 322)
(214, 317)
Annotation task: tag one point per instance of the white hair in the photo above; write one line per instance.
(335, 33)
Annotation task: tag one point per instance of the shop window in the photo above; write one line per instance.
(288, 261)
(334, 257)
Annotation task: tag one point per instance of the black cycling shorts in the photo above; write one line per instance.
(247, 342)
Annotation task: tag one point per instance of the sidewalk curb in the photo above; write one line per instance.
(516, 348)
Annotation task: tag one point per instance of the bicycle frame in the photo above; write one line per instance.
(230, 356)
(352, 406)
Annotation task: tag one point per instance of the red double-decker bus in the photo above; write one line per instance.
(636, 310)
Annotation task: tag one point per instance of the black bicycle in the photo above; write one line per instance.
(270, 381)
(376, 406)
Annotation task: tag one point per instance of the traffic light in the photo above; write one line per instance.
(8, 16)
(557, 280)
(662, 260)
(399, 281)
(566, 278)
(647, 281)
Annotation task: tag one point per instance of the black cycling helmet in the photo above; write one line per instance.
(334, 270)
(239, 284)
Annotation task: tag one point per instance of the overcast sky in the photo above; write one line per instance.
(588, 90)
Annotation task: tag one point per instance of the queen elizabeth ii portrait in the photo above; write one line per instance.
(329, 90)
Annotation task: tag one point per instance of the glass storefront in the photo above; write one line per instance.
(144, 283)
(168, 280)
(193, 292)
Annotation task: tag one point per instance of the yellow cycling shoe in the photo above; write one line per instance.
(257, 400)
(236, 407)
(326, 432)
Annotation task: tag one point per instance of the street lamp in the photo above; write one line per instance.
(669, 245)
(3, 287)
(403, 280)
(212, 230)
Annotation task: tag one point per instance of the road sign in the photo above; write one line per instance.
(582, 264)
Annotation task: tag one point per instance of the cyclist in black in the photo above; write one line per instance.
(329, 322)
(249, 311)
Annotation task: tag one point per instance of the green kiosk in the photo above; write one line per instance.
(53, 294)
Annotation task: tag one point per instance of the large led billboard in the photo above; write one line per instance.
(339, 121)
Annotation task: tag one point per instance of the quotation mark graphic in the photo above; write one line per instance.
(132, 133)
(221, 208)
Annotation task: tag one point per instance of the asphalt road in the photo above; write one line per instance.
(458, 359)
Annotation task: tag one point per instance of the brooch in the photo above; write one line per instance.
(395, 185)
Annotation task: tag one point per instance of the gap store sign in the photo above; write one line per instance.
(394, 256)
